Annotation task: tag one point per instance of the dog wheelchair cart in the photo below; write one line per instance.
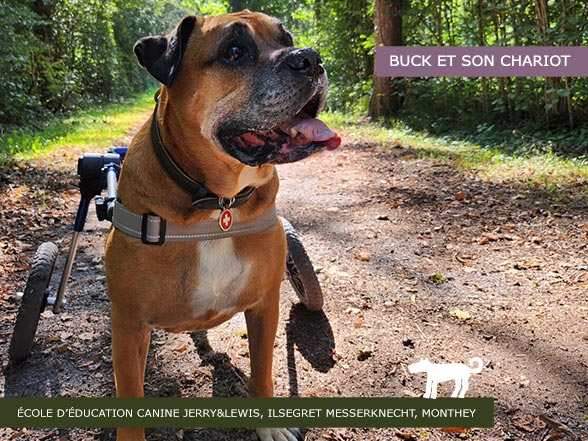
(98, 174)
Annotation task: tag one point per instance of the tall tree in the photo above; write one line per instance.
(387, 95)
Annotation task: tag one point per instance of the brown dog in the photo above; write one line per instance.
(237, 97)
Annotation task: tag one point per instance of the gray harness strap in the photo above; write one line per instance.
(154, 230)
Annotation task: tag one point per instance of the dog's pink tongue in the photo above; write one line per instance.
(311, 129)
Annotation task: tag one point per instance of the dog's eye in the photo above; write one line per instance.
(234, 53)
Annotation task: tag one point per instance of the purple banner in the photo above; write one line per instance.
(481, 61)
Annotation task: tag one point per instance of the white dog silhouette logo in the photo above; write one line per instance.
(440, 372)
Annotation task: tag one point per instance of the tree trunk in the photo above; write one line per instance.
(552, 103)
(44, 30)
(481, 37)
(317, 11)
(387, 97)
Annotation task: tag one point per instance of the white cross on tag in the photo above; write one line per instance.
(225, 220)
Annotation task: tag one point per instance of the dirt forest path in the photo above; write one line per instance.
(417, 259)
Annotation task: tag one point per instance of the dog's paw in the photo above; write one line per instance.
(274, 434)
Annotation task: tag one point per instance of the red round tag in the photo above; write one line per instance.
(225, 220)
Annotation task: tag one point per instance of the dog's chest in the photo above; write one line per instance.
(222, 277)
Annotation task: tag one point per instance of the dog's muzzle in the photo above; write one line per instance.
(297, 134)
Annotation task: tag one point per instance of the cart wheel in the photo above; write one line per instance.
(300, 271)
(33, 302)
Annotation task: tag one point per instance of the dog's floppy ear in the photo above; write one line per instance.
(161, 55)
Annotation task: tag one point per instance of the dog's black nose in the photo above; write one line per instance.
(305, 62)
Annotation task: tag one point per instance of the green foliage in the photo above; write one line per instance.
(59, 55)
(210, 7)
(19, 70)
(345, 32)
(490, 152)
(524, 104)
(96, 126)
(342, 32)
(62, 54)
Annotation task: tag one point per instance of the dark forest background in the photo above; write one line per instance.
(58, 55)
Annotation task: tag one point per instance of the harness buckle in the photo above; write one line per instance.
(152, 226)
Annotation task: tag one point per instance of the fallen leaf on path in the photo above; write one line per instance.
(52, 339)
(337, 435)
(363, 256)
(462, 315)
(87, 336)
(556, 424)
(487, 238)
(181, 348)
(455, 429)
(363, 355)
(463, 261)
(18, 434)
(65, 335)
(336, 356)
(527, 265)
(527, 423)
(410, 436)
(65, 317)
(460, 196)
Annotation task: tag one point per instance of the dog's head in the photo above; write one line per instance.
(247, 88)
(419, 366)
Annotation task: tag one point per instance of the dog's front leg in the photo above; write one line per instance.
(130, 345)
(261, 332)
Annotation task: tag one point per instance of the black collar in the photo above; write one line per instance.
(202, 197)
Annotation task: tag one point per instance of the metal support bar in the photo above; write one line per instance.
(111, 189)
(58, 305)
(81, 216)
(96, 171)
